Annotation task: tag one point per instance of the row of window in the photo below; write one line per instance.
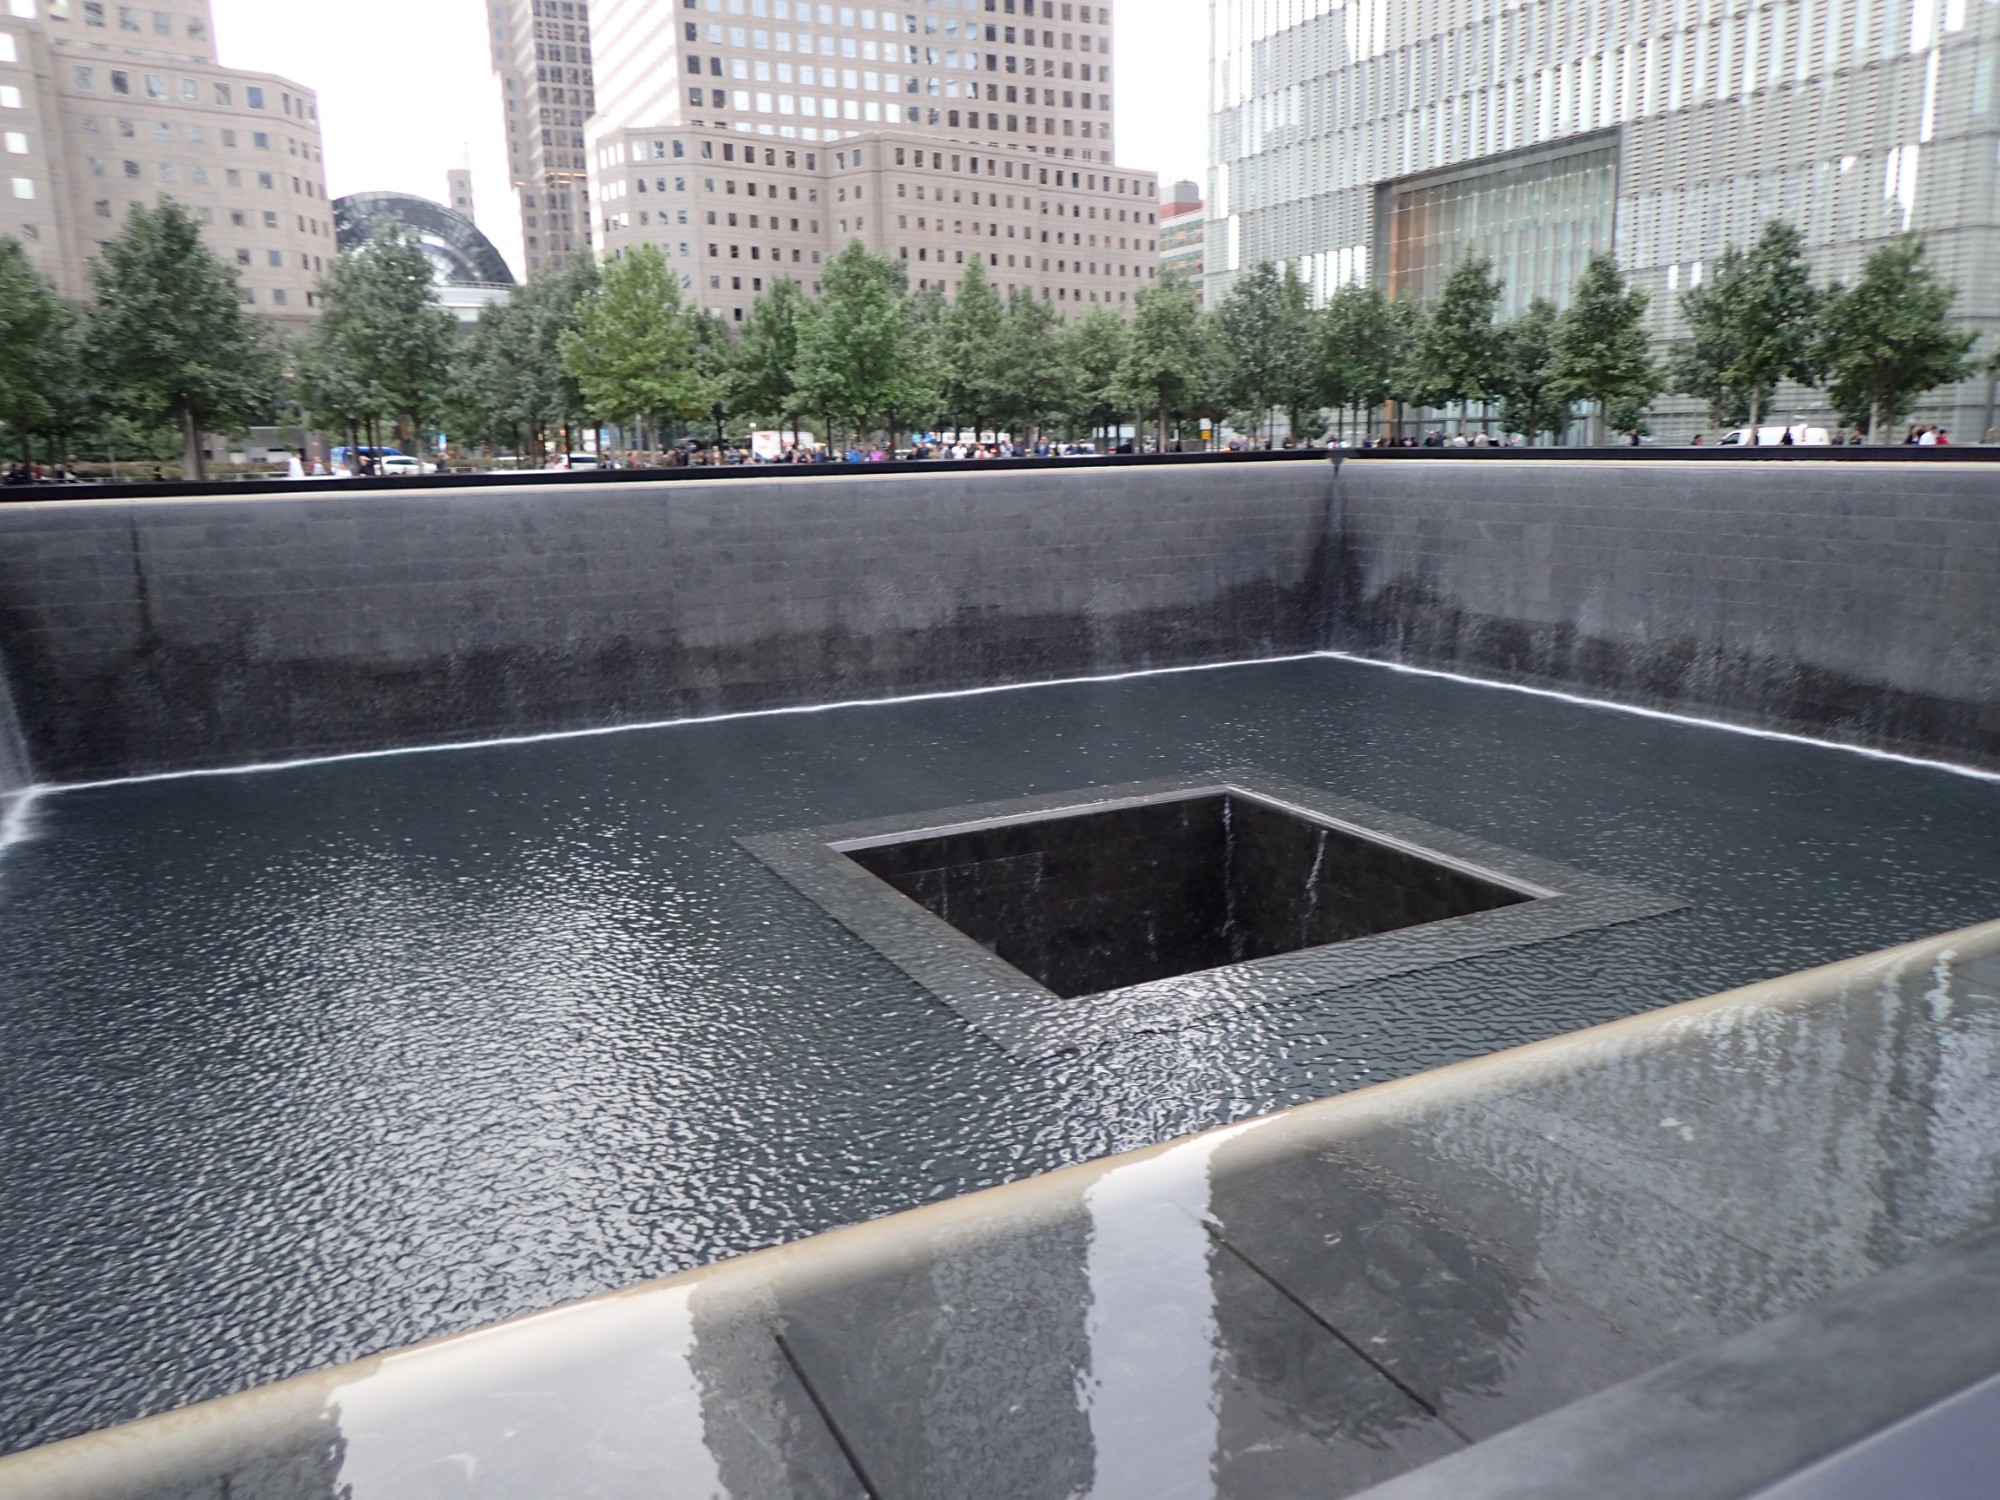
(199, 174)
(131, 18)
(872, 112)
(867, 49)
(196, 135)
(869, 19)
(155, 86)
(866, 80)
(662, 149)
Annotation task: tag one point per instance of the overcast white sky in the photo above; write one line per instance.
(406, 92)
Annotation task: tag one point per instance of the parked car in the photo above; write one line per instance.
(347, 460)
(562, 463)
(399, 465)
(1774, 437)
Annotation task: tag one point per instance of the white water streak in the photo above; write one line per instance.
(1724, 725)
(262, 767)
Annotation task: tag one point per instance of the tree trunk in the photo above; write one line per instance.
(1875, 419)
(192, 466)
(1756, 411)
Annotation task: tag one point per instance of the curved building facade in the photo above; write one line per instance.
(458, 248)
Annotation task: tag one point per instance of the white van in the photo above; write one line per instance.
(1774, 437)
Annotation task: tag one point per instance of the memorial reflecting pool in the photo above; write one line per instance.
(305, 1064)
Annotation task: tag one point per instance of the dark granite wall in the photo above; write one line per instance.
(164, 635)
(1854, 601)
(1848, 601)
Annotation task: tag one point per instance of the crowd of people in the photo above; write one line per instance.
(959, 450)
(26, 473)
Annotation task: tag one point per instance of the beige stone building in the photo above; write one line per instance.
(751, 139)
(458, 193)
(542, 54)
(105, 105)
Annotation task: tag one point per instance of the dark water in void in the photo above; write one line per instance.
(301, 1066)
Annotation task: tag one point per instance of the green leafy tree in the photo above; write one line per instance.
(405, 339)
(1603, 354)
(633, 351)
(1298, 389)
(972, 386)
(486, 401)
(1533, 399)
(1752, 324)
(714, 358)
(1211, 401)
(1034, 376)
(37, 347)
(929, 315)
(552, 308)
(1093, 352)
(1164, 361)
(329, 384)
(861, 358)
(764, 374)
(1360, 348)
(1255, 352)
(1888, 339)
(383, 346)
(1455, 357)
(170, 339)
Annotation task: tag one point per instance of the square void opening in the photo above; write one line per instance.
(1104, 899)
(1166, 902)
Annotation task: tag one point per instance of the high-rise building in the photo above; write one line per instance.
(1184, 234)
(104, 106)
(458, 184)
(542, 54)
(753, 146)
(1363, 139)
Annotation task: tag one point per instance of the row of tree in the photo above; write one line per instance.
(870, 356)
(164, 352)
(168, 345)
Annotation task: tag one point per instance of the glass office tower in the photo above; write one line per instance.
(1383, 139)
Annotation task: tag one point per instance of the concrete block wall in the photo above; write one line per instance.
(1848, 601)
(162, 635)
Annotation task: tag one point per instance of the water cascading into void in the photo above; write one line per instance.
(17, 777)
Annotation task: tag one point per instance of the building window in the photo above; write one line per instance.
(17, 143)
(24, 188)
(253, 95)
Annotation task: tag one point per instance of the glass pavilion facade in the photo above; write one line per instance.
(1382, 139)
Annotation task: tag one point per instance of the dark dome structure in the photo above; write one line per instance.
(462, 255)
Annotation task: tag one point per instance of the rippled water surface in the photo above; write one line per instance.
(303, 1065)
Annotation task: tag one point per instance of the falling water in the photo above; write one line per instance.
(1310, 909)
(17, 777)
(1231, 929)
